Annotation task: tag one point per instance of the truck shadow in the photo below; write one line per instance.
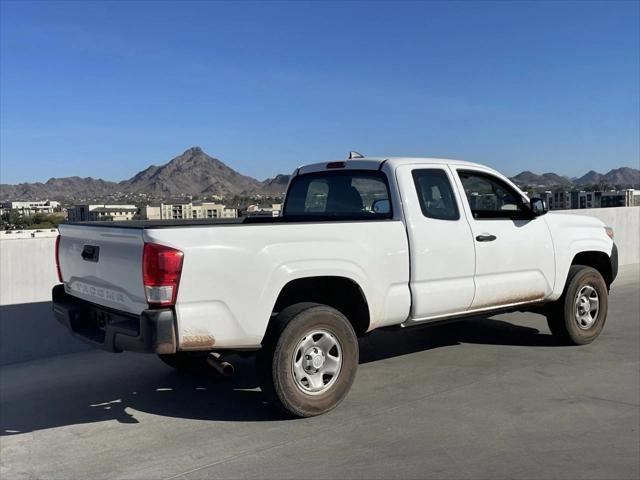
(131, 388)
(383, 344)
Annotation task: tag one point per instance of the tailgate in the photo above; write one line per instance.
(103, 265)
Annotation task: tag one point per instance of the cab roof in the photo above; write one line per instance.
(374, 163)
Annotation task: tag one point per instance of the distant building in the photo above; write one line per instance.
(171, 210)
(26, 209)
(258, 211)
(583, 200)
(183, 209)
(216, 210)
(564, 200)
(558, 200)
(101, 212)
(598, 199)
(622, 198)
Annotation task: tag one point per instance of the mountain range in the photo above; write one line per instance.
(191, 173)
(618, 177)
(198, 174)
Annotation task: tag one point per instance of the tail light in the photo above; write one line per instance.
(161, 270)
(58, 259)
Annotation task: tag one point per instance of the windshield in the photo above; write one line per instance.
(344, 194)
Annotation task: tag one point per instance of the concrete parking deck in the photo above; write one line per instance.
(495, 398)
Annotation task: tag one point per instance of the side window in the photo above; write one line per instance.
(435, 194)
(489, 197)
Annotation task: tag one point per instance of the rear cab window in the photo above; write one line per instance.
(342, 195)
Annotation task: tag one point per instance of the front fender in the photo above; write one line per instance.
(573, 234)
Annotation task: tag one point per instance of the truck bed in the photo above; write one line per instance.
(208, 222)
(144, 224)
(232, 277)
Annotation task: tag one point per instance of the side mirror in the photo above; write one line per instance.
(380, 206)
(538, 206)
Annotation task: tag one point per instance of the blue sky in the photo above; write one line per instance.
(105, 89)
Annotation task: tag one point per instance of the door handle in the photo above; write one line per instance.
(485, 238)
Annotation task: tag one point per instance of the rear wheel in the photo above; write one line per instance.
(309, 359)
(578, 316)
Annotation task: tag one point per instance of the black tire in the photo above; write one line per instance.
(275, 361)
(186, 361)
(561, 316)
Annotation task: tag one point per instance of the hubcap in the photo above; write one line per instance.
(587, 306)
(316, 362)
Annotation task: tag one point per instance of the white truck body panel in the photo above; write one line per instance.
(232, 275)
(410, 268)
(571, 235)
(519, 266)
(442, 253)
(115, 281)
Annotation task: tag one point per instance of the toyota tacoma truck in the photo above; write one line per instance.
(361, 244)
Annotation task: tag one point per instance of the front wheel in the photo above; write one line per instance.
(309, 359)
(578, 316)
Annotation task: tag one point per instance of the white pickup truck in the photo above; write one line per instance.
(361, 244)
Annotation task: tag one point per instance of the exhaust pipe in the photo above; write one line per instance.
(225, 369)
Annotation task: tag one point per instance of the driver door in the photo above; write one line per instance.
(514, 253)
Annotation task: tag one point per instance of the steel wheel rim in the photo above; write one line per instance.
(586, 307)
(316, 362)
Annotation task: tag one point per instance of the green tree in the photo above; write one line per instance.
(12, 217)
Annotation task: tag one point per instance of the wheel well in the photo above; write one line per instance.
(598, 260)
(341, 293)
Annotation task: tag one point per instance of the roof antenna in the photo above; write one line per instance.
(354, 155)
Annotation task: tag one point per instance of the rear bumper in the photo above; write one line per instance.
(153, 331)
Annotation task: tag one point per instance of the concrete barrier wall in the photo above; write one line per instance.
(27, 274)
(625, 222)
(27, 327)
(32, 233)
(28, 270)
